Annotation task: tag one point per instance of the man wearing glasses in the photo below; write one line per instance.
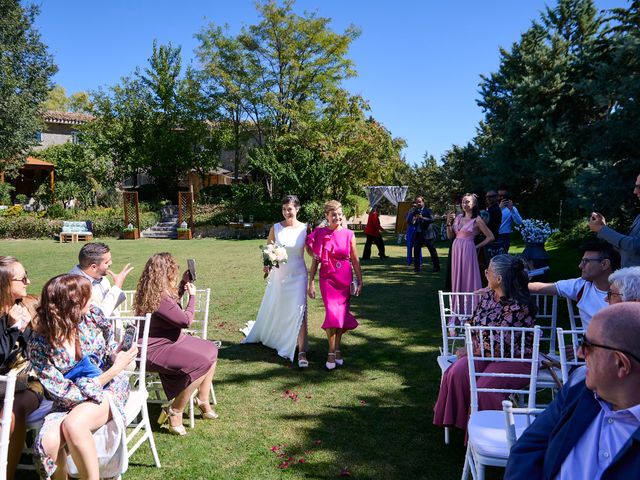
(628, 245)
(592, 429)
(599, 260)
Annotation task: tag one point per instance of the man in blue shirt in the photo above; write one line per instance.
(510, 216)
(592, 429)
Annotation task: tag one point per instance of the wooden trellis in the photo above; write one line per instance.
(131, 210)
(185, 208)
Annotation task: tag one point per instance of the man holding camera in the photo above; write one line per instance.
(424, 234)
(510, 215)
(628, 245)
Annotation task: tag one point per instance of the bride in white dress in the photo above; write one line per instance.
(281, 322)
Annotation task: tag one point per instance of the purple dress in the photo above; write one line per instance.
(332, 249)
(465, 270)
(454, 398)
(180, 359)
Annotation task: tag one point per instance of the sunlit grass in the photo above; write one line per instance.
(372, 416)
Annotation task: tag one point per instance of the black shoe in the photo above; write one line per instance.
(435, 270)
(384, 256)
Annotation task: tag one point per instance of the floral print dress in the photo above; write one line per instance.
(50, 364)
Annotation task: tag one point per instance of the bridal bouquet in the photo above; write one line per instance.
(273, 255)
(534, 231)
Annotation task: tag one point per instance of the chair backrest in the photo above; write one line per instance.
(141, 339)
(455, 310)
(200, 324)
(5, 424)
(566, 348)
(498, 352)
(126, 307)
(509, 417)
(574, 315)
(547, 320)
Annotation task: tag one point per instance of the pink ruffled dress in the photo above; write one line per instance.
(332, 250)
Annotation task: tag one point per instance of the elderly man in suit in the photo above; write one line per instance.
(592, 428)
(628, 245)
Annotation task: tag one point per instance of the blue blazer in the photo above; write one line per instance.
(543, 447)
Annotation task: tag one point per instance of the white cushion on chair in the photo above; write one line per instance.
(487, 432)
(545, 380)
(445, 361)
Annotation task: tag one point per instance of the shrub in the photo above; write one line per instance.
(13, 210)
(214, 194)
(56, 211)
(5, 193)
(29, 226)
(21, 199)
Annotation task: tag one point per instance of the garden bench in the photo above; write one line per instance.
(75, 231)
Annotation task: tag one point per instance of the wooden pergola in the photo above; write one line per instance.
(31, 175)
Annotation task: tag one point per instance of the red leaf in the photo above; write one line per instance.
(302, 460)
(275, 448)
(317, 442)
(345, 472)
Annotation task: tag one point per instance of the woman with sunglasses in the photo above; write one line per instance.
(15, 324)
(504, 303)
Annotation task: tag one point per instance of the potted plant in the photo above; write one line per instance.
(130, 233)
(184, 232)
(535, 233)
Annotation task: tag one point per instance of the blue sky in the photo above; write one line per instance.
(418, 62)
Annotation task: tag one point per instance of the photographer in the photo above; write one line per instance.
(424, 234)
(510, 215)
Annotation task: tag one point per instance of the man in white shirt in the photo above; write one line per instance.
(592, 429)
(599, 260)
(510, 216)
(94, 261)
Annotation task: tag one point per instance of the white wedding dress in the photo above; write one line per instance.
(285, 299)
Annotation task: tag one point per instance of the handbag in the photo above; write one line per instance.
(16, 362)
(88, 367)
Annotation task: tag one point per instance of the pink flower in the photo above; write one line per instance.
(345, 472)
(317, 442)
(302, 460)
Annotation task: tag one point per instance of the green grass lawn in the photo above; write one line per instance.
(372, 416)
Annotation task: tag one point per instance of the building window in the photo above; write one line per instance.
(76, 137)
(38, 137)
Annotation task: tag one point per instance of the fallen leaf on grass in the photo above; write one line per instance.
(345, 472)
(363, 402)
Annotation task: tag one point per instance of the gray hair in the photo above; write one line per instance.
(628, 282)
(515, 280)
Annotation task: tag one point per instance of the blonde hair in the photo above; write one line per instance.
(6, 276)
(331, 205)
(158, 278)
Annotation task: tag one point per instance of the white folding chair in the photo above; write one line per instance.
(574, 315)
(5, 424)
(487, 442)
(547, 320)
(455, 310)
(125, 309)
(566, 364)
(135, 410)
(34, 424)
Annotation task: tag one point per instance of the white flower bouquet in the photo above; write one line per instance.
(535, 231)
(273, 255)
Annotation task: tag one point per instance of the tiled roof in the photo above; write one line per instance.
(67, 118)
(37, 162)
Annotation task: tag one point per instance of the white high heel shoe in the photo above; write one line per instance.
(331, 365)
(339, 361)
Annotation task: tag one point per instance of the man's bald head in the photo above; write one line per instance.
(619, 326)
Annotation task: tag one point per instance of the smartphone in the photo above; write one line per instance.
(191, 268)
(128, 337)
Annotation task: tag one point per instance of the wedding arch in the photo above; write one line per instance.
(393, 193)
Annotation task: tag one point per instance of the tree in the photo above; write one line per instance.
(25, 71)
(156, 122)
(56, 99)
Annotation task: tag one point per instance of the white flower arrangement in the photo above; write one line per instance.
(273, 255)
(535, 231)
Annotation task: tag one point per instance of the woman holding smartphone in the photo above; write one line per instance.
(70, 332)
(185, 363)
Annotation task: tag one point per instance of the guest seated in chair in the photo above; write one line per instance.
(185, 363)
(15, 332)
(591, 429)
(504, 303)
(74, 355)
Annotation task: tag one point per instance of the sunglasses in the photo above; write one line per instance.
(587, 345)
(24, 279)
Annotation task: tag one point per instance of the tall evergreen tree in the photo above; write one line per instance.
(25, 72)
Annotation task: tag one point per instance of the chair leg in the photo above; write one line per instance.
(213, 396)
(192, 422)
(467, 466)
(446, 435)
(479, 471)
(147, 428)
